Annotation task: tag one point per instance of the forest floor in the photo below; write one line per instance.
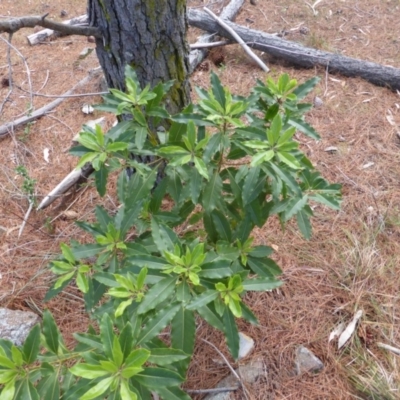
(352, 261)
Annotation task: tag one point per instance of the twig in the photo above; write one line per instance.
(28, 71)
(238, 39)
(206, 45)
(215, 390)
(394, 350)
(21, 229)
(4, 129)
(9, 74)
(63, 96)
(234, 373)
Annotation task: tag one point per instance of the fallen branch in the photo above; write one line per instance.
(42, 35)
(198, 45)
(238, 39)
(6, 128)
(299, 55)
(228, 13)
(70, 180)
(15, 24)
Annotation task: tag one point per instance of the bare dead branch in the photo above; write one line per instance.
(15, 24)
(238, 39)
(4, 129)
(199, 54)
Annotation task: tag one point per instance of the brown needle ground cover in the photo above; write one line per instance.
(352, 261)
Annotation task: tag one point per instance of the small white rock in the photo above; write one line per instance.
(367, 165)
(87, 109)
(246, 344)
(318, 102)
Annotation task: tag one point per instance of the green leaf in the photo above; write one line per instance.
(30, 350)
(98, 389)
(100, 177)
(218, 268)
(222, 226)
(250, 184)
(126, 340)
(164, 237)
(264, 267)
(201, 167)
(302, 90)
(218, 90)
(231, 333)
(92, 341)
(156, 324)
(303, 222)
(175, 132)
(137, 358)
(261, 284)
(107, 335)
(294, 206)
(49, 387)
(212, 193)
(248, 315)
(164, 357)
(88, 371)
(158, 377)
(50, 332)
(288, 159)
(157, 294)
(261, 251)
(195, 185)
(151, 262)
(28, 391)
(203, 299)
(183, 331)
(8, 391)
(304, 127)
(208, 313)
(140, 137)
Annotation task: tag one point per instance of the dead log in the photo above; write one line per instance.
(299, 55)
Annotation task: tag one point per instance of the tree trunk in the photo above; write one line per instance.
(148, 35)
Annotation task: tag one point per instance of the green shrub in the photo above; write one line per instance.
(225, 166)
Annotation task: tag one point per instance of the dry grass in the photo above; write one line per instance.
(352, 261)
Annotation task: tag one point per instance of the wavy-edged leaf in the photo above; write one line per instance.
(212, 193)
(160, 292)
(203, 299)
(218, 268)
(164, 357)
(222, 225)
(294, 206)
(156, 324)
(302, 90)
(264, 267)
(208, 313)
(151, 262)
(250, 184)
(304, 127)
(158, 377)
(183, 332)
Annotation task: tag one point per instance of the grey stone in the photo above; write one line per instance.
(15, 325)
(246, 344)
(248, 373)
(307, 361)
